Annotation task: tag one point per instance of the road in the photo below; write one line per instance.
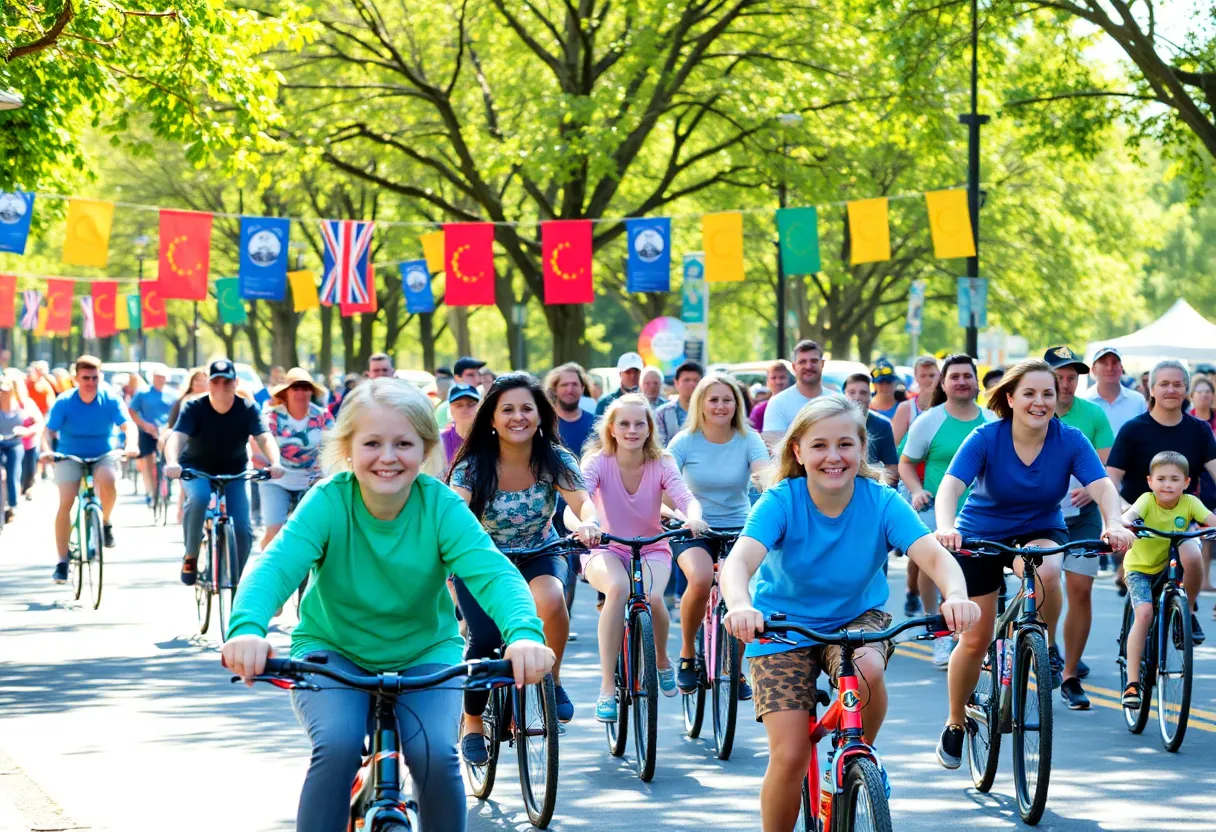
(121, 718)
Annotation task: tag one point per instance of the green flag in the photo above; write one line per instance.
(228, 295)
(798, 229)
(133, 310)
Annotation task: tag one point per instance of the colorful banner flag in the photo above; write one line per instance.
(416, 285)
(348, 245)
(950, 224)
(798, 230)
(432, 250)
(228, 297)
(32, 300)
(369, 305)
(88, 329)
(264, 253)
(40, 329)
(152, 314)
(105, 307)
(694, 307)
(87, 239)
(869, 231)
(122, 313)
(722, 238)
(566, 257)
(468, 258)
(16, 211)
(8, 301)
(303, 290)
(649, 265)
(59, 305)
(185, 256)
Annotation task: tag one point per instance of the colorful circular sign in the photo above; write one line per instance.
(661, 344)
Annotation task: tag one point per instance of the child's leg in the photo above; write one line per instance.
(1136, 640)
(1192, 566)
(604, 571)
(658, 572)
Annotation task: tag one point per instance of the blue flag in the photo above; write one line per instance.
(16, 211)
(263, 272)
(416, 283)
(649, 255)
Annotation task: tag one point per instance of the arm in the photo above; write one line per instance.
(899, 422)
(271, 451)
(674, 487)
(132, 432)
(1110, 504)
(940, 565)
(946, 509)
(1131, 517)
(138, 419)
(173, 448)
(759, 468)
(1079, 496)
(742, 619)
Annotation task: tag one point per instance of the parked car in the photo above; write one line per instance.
(418, 378)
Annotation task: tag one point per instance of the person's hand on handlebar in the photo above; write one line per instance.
(1118, 538)
(530, 661)
(961, 614)
(276, 471)
(588, 534)
(949, 538)
(697, 527)
(173, 471)
(744, 623)
(246, 656)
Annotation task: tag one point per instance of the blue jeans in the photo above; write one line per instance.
(337, 721)
(198, 494)
(11, 454)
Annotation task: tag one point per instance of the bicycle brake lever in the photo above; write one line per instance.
(775, 638)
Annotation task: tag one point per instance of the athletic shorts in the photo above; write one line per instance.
(68, 472)
(276, 502)
(786, 681)
(147, 444)
(985, 574)
(1142, 588)
(1085, 526)
(662, 556)
(716, 547)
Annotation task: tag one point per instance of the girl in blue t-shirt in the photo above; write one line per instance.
(819, 538)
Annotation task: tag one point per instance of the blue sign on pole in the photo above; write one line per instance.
(649, 267)
(695, 293)
(16, 211)
(263, 270)
(973, 302)
(416, 284)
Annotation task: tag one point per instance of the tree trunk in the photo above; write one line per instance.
(283, 321)
(347, 326)
(458, 322)
(325, 362)
(567, 323)
(255, 339)
(426, 337)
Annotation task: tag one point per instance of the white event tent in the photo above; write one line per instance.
(1180, 333)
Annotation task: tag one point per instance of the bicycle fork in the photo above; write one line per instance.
(379, 800)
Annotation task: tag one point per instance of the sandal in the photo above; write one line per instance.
(189, 570)
(1133, 696)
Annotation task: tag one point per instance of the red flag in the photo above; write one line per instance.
(152, 313)
(105, 296)
(348, 309)
(185, 255)
(8, 300)
(59, 305)
(566, 252)
(468, 258)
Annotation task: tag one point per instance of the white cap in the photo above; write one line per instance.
(630, 361)
(1107, 351)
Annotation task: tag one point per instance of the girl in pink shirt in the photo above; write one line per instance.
(627, 474)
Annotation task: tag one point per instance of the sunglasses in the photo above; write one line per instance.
(301, 386)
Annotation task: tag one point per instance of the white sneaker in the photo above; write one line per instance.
(941, 652)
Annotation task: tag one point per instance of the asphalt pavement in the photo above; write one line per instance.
(121, 719)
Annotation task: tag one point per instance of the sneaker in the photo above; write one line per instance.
(473, 749)
(107, 536)
(1082, 669)
(1103, 564)
(189, 571)
(563, 705)
(745, 690)
(911, 604)
(61, 572)
(667, 680)
(605, 708)
(950, 747)
(1057, 666)
(1132, 696)
(686, 676)
(1122, 586)
(1197, 636)
(148, 500)
(1074, 695)
(942, 647)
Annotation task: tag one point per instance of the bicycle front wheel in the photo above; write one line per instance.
(536, 745)
(228, 575)
(808, 819)
(1032, 725)
(725, 691)
(1174, 673)
(983, 723)
(94, 552)
(645, 696)
(694, 703)
(618, 732)
(863, 806)
(1134, 718)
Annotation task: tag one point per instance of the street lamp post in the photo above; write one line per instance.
(141, 245)
(974, 120)
(786, 120)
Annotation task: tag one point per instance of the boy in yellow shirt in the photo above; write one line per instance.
(1168, 508)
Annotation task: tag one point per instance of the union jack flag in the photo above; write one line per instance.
(88, 328)
(29, 318)
(347, 259)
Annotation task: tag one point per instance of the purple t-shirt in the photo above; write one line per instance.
(451, 442)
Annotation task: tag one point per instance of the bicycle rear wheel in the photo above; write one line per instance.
(481, 777)
(229, 574)
(537, 748)
(202, 582)
(1174, 673)
(725, 691)
(983, 723)
(1134, 718)
(645, 696)
(76, 555)
(694, 703)
(94, 552)
(863, 807)
(618, 732)
(1032, 724)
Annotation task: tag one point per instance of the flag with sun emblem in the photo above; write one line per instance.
(566, 251)
(468, 259)
(185, 256)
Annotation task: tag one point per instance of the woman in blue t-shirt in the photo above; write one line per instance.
(1021, 467)
(819, 538)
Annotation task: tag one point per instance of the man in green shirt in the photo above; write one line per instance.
(1084, 523)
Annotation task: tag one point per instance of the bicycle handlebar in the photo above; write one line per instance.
(976, 548)
(1143, 531)
(223, 479)
(644, 541)
(562, 545)
(484, 672)
(935, 625)
(58, 457)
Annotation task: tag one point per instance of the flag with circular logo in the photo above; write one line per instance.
(59, 305)
(468, 259)
(263, 270)
(152, 314)
(649, 266)
(86, 241)
(416, 285)
(228, 299)
(566, 252)
(185, 257)
(16, 211)
(105, 307)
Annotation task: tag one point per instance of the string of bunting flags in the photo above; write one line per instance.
(463, 252)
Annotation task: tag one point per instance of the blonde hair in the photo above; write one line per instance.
(786, 465)
(392, 394)
(696, 404)
(603, 442)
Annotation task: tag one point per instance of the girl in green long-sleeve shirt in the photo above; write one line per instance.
(379, 540)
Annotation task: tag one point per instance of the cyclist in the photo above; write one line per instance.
(20, 422)
(884, 378)
(671, 415)
(777, 378)
(628, 476)
(298, 427)
(819, 538)
(149, 411)
(1166, 507)
(718, 455)
(463, 400)
(1021, 466)
(510, 470)
(629, 367)
(926, 375)
(377, 606)
(210, 435)
(783, 407)
(880, 444)
(82, 423)
(30, 442)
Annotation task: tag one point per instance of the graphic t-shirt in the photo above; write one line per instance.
(934, 438)
(299, 442)
(1150, 554)
(87, 430)
(217, 441)
(719, 475)
(1144, 437)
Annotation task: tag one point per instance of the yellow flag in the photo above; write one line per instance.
(722, 239)
(87, 242)
(304, 290)
(122, 320)
(432, 247)
(950, 224)
(40, 328)
(869, 233)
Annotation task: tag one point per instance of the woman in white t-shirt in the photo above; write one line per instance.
(717, 453)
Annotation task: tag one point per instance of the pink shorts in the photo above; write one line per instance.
(658, 554)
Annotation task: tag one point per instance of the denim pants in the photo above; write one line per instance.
(11, 454)
(198, 495)
(337, 721)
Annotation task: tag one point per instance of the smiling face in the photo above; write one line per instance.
(516, 417)
(1168, 484)
(1169, 389)
(652, 386)
(830, 450)
(1068, 378)
(960, 385)
(808, 367)
(569, 389)
(1108, 369)
(629, 427)
(719, 406)
(686, 382)
(463, 411)
(777, 378)
(1201, 396)
(1033, 401)
(858, 391)
(386, 452)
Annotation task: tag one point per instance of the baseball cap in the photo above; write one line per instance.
(884, 371)
(1108, 351)
(223, 368)
(1059, 357)
(630, 361)
(465, 364)
(463, 391)
(443, 372)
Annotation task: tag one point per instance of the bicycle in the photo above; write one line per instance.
(293, 500)
(1013, 694)
(854, 777)
(219, 572)
(162, 494)
(86, 544)
(379, 799)
(527, 719)
(1167, 661)
(719, 662)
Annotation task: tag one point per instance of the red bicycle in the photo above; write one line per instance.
(854, 783)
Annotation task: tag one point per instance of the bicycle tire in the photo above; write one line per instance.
(229, 575)
(862, 779)
(1031, 658)
(76, 556)
(693, 704)
(537, 758)
(725, 692)
(983, 723)
(1134, 718)
(95, 565)
(481, 777)
(618, 732)
(808, 820)
(1174, 684)
(645, 696)
(202, 580)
